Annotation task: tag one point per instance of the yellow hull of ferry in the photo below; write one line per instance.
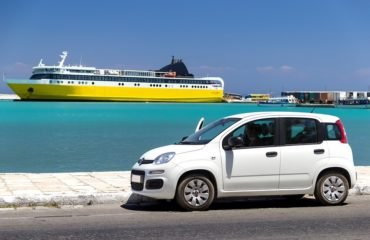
(113, 93)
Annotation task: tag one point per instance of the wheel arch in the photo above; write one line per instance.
(343, 171)
(202, 172)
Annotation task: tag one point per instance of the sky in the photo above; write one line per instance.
(260, 46)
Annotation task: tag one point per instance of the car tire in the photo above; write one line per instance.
(331, 189)
(195, 193)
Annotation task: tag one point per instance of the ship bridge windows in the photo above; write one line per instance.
(40, 70)
(40, 76)
(46, 70)
(138, 73)
(80, 71)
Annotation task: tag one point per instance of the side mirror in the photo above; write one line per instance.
(227, 147)
(199, 125)
(234, 142)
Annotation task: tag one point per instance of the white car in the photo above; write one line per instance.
(251, 154)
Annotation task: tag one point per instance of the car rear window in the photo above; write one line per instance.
(301, 131)
(332, 132)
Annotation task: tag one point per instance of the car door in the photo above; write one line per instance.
(301, 151)
(254, 167)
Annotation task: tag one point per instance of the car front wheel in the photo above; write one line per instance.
(332, 189)
(195, 193)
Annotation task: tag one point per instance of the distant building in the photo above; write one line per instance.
(326, 96)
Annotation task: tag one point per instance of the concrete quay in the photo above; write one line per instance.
(57, 189)
(87, 188)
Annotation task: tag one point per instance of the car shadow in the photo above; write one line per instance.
(151, 205)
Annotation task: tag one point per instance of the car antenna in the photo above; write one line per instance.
(313, 109)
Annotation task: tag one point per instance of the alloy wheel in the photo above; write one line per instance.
(196, 192)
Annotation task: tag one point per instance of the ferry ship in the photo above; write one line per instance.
(172, 83)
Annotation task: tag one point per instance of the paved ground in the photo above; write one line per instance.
(56, 189)
(265, 219)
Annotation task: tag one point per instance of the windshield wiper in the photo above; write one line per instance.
(194, 143)
(186, 143)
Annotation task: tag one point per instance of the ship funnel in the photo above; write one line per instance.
(63, 58)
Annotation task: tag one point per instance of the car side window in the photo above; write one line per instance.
(301, 131)
(257, 133)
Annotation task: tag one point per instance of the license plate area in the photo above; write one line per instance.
(136, 178)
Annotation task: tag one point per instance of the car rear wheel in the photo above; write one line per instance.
(332, 189)
(195, 193)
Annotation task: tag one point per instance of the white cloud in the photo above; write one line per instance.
(18, 66)
(363, 72)
(286, 68)
(17, 69)
(272, 69)
(265, 69)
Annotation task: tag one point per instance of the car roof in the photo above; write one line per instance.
(321, 117)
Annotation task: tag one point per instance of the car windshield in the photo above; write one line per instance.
(209, 132)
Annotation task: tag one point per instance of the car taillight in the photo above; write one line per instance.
(343, 134)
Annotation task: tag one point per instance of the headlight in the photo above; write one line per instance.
(164, 158)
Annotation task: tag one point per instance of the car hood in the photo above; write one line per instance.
(152, 154)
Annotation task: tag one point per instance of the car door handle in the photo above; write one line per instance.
(271, 154)
(318, 151)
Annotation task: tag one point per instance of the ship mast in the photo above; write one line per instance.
(63, 56)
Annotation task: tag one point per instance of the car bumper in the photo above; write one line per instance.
(155, 181)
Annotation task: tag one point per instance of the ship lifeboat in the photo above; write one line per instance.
(170, 74)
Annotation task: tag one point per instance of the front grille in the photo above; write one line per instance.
(138, 186)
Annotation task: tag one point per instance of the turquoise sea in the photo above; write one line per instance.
(94, 136)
